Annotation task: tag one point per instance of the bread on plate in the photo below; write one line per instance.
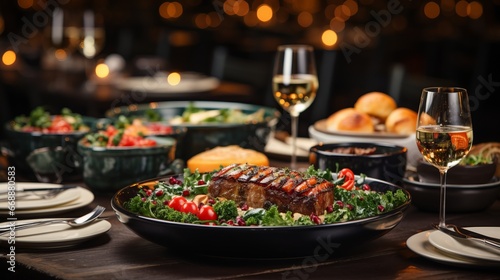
(401, 121)
(213, 159)
(350, 120)
(376, 104)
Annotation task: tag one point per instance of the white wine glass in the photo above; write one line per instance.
(295, 83)
(444, 132)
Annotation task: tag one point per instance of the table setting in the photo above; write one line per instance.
(317, 205)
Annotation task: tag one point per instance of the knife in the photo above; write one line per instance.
(473, 233)
(35, 189)
(455, 234)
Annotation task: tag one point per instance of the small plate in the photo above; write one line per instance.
(468, 248)
(420, 245)
(86, 197)
(33, 201)
(321, 127)
(54, 236)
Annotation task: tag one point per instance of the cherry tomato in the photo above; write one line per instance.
(207, 213)
(190, 207)
(348, 176)
(177, 202)
(59, 124)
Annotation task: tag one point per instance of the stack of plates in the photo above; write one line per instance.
(33, 204)
(440, 247)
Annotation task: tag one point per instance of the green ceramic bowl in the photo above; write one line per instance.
(201, 137)
(21, 144)
(110, 169)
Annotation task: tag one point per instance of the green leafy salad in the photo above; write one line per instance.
(187, 201)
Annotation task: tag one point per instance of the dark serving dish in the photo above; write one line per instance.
(387, 163)
(257, 242)
(200, 137)
(459, 198)
(459, 174)
(110, 169)
(21, 144)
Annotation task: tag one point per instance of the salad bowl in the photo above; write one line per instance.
(252, 133)
(256, 242)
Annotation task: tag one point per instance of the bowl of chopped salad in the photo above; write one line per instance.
(209, 124)
(126, 151)
(43, 130)
(186, 213)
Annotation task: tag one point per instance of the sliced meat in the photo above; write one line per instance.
(260, 186)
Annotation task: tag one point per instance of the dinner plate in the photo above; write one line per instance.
(407, 141)
(158, 84)
(259, 242)
(32, 202)
(53, 236)
(322, 127)
(468, 248)
(420, 245)
(86, 197)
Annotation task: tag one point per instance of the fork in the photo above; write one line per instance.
(472, 233)
(460, 235)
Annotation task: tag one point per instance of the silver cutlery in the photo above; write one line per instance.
(472, 233)
(28, 189)
(76, 222)
(461, 235)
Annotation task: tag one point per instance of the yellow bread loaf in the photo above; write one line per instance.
(349, 119)
(213, 159)
(376, 104)
(401, 121)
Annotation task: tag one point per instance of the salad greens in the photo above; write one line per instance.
(361, 202)
(40, 119)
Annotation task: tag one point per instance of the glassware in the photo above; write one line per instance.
(444, 132)
(295, 83)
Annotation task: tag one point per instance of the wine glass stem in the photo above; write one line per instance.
(295, 125)
(442, 198)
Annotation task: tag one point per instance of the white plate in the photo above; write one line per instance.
(32, 202)
(86, 197)
(55, 235)
(419, 244)
(413, 155)
(157, 84)
(468, 248)
(277, 148)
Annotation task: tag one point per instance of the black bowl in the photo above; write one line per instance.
(459, 174)
(459, 198)
(201, 137)
(387, 163)
(21, 144)
(268, 242)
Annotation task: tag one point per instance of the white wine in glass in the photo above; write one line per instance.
(295, 83)
(444, 132)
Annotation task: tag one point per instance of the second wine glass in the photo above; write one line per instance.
(444, 132)
(295, 83)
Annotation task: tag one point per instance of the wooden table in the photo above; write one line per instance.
(121, 254)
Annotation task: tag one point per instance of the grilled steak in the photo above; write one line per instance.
(260, 186)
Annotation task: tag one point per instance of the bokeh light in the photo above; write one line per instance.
(432, 10)
(329, 38)
(174, 78)
(264, 13)
(102, 70)
(9, 57)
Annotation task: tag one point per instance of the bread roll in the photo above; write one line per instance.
(401, 121)
(351, 120)
(376, 104)
(213, 159)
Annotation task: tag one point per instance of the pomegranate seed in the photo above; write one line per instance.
(159, 193)
(149, 192)
(173, 181)
(154, 202)
(211, 201)
(185, 193)
(381, 208)
(201, 182)
(329, 209)
(340, 204)
(166, 202)
(240, 221)
(366, 187)
(200, 205)
(244, 207)
(143, 199)
(350, 207)
(230, 222)
(315, 219)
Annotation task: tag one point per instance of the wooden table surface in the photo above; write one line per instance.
(121, 254)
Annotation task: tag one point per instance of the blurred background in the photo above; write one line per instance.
(51, 51)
